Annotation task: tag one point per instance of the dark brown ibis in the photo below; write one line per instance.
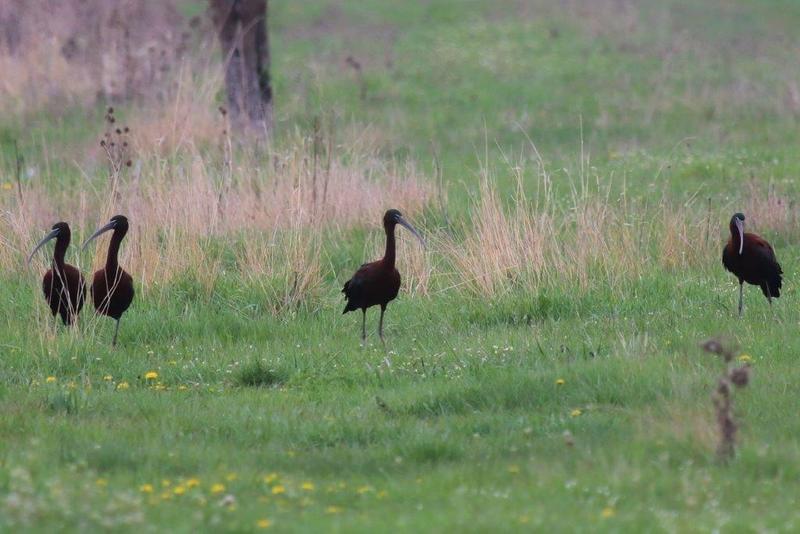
(63, 285)
(377, 283)
(752, 260)
(112, 287)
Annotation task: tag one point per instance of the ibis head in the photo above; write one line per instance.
(393, 217)
(59, 230)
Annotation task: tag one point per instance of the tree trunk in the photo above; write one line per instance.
(243, 35)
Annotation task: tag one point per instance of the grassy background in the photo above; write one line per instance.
(459, 422)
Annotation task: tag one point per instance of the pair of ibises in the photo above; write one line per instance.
(748, 256)
(63, 284)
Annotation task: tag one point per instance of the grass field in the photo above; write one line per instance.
(573, 166)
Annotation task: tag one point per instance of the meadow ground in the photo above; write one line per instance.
(573, 166)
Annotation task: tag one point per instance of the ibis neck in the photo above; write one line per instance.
(60, 251)
(112, 262)
(389, 256)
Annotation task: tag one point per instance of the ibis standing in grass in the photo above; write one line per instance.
(112, 288)
(377, 283)
(63, 285)
(752, 260)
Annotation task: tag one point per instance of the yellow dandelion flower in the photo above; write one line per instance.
(50, 379)
(575, 413)
(307, 486)
(263, 523)
(146, 488)
(608, 512)
(560, 382)
(270, 478)
(746, 358)
(230, 477)
(333, 510)
(166, 483)
(150, 375)
(102, 482)
(513, 469)
(108, 378)
(363, 489)
(278, 490)
(192, 483)
(123, 386)
(179, 490)
(182, 388)
(217, 488)
(166, 495)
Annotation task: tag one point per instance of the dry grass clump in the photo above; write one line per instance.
(178, 204)
(593, 237)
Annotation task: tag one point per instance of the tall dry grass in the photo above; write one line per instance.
(597, 235)
(186, 185)
(178, 203)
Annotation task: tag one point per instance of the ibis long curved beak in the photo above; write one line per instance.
(740, 227)
(52, 235)
(101, 230)
(401, 221)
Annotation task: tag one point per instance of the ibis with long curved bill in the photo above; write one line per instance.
(63, 285)
(112, 287)
(377, 283)
(751, 259)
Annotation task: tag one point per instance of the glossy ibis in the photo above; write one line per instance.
(112, 288)
(752, 260)
(63, 285)
(377, 283)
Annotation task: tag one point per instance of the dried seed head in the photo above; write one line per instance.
(128, 163)
(112, 120)
(110, 110)
(741, 376)
(119, 132)
(223, 111)
(102, 142)
(126, 129)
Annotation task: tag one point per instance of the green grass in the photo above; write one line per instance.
(458, 423)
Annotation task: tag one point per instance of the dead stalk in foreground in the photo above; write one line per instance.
(723, 398)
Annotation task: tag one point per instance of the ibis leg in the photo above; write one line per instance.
(380, 323)
(363, 324)
(116, 331)
(741, 289)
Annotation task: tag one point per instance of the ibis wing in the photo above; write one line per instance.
(354, 288)
(770, 270)
(727, 257)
